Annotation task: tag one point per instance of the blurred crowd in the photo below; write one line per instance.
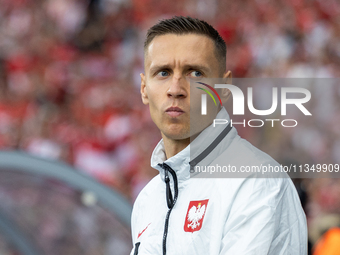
(69, 81)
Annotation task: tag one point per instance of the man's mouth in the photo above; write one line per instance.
(174, 111)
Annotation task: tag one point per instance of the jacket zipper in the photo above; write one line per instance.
(171, 201)
(136, 248)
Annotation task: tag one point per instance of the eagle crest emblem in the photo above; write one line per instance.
(195, 215)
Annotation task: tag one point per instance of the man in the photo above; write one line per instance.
(176, 214)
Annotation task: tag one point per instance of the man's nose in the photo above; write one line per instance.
(178, 87)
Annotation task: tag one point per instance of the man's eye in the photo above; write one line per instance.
(163, 73)
(196, 74)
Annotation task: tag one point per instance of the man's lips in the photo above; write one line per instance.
(174, 111)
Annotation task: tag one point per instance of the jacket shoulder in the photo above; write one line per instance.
(250, 152)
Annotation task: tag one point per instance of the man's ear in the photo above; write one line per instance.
(228, 77)
(143, 89)
(225, 94)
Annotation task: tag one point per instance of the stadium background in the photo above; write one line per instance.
(69, 83)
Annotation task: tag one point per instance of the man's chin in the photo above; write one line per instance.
(184, 133)
(176, 136)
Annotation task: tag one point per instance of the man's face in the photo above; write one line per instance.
(171, 61)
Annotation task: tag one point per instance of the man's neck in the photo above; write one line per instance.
(172, 147)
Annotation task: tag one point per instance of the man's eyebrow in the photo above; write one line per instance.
(197, 67)
(159, 67)
(186, 67)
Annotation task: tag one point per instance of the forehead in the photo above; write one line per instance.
(191, 49)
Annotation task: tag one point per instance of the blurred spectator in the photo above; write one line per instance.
(329, 244)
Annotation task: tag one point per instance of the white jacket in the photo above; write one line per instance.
(211, 216)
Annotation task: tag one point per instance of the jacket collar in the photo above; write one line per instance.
(180, 162)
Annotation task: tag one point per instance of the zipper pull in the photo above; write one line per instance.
(136, 248)
(169, 198)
